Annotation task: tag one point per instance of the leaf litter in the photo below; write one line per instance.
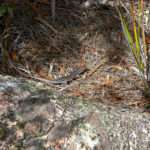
(90, 39)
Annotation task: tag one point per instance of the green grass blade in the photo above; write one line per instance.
(131, 44)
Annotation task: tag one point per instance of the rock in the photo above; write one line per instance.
(50, 119)
(60, 130)
(33, 144)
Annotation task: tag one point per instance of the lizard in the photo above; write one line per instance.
(63, 80)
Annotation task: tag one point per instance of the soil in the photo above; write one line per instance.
(91, 38)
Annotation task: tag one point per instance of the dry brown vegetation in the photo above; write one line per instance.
(40, 47)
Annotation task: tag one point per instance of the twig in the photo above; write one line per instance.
(46, 24)
(96, 68)
(53, 9)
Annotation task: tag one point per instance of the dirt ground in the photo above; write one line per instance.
(91, 39)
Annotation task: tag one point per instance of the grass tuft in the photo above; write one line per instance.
(136, 41)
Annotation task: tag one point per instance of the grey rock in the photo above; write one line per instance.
(85, 125)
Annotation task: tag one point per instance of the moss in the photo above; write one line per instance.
(20, 125)
(2, 133)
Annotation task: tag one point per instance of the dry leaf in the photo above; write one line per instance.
(108, 81)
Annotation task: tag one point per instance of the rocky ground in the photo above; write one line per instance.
(35, 117)
(38, 115)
